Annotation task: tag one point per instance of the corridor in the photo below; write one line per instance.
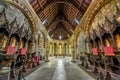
(59, 69)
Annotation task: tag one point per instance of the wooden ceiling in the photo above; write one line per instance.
(60, 17)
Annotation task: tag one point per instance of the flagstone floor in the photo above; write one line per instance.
(59, 69)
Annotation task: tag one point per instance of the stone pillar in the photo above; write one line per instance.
(54, 47)
(47, 54)
(73, 55)
(63, 50)
(55, 50)
(52, 50)
(68, 49)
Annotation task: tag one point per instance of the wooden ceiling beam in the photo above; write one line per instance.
(69, 12)
(69, 23)
(80, 7)
(75, 17)
(51, 22)
(81, 3)
(70, 33)
(86, 3)
(63, 29)
(67, 31)
(58, 1)
(31, 1)
(53, 31)
(34, 5)
(55, 21)
(82, 10)
(51, 15)
(39, 4)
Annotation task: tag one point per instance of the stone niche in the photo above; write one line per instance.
(3, 41)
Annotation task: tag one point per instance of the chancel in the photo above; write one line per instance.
(59, 39)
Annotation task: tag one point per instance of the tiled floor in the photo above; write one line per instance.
(59, 69)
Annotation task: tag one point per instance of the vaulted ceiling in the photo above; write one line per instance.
(60, 17)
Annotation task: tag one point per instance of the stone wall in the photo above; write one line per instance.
(108, 10)
(81, 45)
(11, 13)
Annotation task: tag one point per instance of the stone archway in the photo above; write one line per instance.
(25, 13)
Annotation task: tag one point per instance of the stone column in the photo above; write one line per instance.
(63, 50)
(68, 49)
(54, 50)
(47, 54)
(73, 54)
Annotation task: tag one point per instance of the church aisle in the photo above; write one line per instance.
(59, 69)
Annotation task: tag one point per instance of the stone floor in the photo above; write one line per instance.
(59, 69)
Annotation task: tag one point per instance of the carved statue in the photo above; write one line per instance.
(3, 41)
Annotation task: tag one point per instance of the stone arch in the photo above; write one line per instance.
(25, 13)
(61, 1)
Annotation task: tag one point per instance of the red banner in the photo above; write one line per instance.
(36, 58)
(11, 50)
(95, 51)
(109, 51)
(23, 51)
